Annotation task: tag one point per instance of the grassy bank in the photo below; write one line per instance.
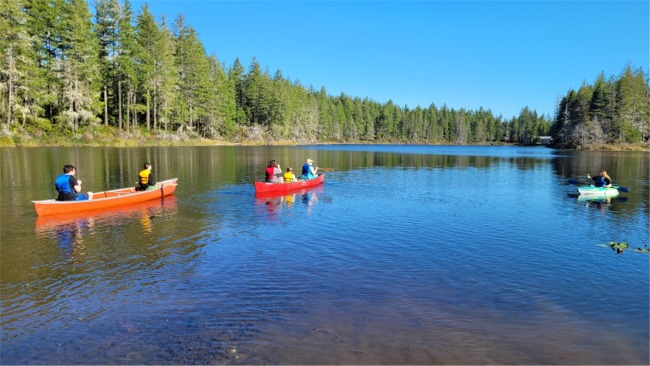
(621, 146)
(113, 137)
(101, 136)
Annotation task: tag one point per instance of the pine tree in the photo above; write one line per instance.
(462, 130)
(166, 76)
(148, 37)
(44, 22)
(78, 49)
(193, 74)
(106, 30)
(258, 98)
(633, 106)
(126, 67)
(236, 79)
(18, 72)
(598, 116)
(215, 111)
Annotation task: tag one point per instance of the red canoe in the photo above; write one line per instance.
(263, 187)
(103, 200)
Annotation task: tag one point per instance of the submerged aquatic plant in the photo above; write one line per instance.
(616, 246)
(645, 249)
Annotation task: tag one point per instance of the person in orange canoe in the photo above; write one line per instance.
(145, 178)
(69, 187)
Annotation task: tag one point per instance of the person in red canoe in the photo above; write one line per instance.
(289, 176)
(308, 171)
(145, 179)
(69, 187)
(273, 173)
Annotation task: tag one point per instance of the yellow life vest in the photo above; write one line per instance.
(289, 177)
(144, 176)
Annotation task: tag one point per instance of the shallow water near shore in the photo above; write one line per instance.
(405, 255)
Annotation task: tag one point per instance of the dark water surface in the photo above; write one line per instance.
(406, 255)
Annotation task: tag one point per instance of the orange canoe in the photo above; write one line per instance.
(103, 200)
(264, 187)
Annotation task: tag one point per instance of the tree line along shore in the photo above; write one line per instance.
(117, 77)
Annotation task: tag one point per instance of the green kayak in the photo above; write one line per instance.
(598, 191)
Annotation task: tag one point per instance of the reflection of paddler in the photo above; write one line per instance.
(309, 199)
(70, 236)
(274, 203)
(289, 200)
(145, 220)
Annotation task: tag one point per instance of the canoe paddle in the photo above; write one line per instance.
(331, 170)
(620, 189)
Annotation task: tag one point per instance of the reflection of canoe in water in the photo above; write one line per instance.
(598, 191)
(264, 187)
(127, 212)
(104, 200)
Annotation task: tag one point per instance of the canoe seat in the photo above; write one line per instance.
(117, 194)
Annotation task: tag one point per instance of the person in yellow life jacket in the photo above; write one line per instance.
(145, 178)
(289, 176)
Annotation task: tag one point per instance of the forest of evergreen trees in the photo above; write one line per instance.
(616, 110)
(67, 70)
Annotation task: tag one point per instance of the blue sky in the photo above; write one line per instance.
(499, 55)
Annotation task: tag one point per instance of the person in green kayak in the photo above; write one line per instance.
(602, 179)
(145, 178)
(69, 187)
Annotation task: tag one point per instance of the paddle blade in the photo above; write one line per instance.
(573, 181)
(623, 189)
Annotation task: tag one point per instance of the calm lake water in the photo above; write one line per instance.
(406, 255)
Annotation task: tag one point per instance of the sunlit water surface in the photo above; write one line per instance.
(406, 255)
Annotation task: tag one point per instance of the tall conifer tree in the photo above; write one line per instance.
(19, 77)
(78, 72)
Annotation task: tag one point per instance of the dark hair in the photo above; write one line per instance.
(271, 163)
(147, 165)
(68, 168)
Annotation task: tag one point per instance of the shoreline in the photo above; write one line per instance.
(139, 139)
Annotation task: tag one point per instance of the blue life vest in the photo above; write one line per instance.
(600, 181)
(66, 192)
(306, 172)
(62, 184)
